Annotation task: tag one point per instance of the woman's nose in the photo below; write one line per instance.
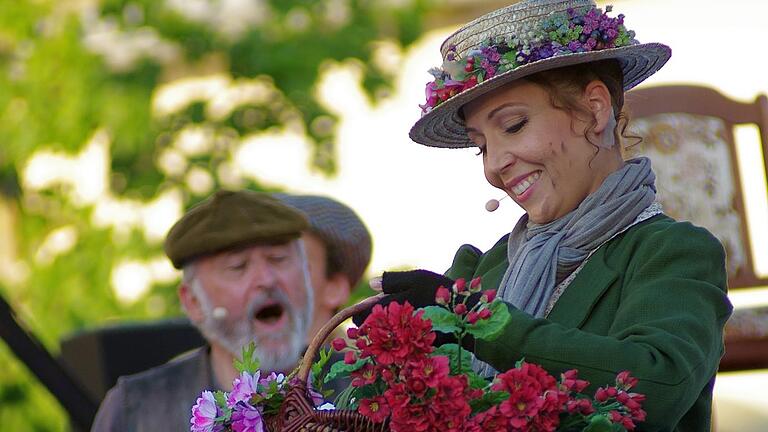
(499, 157)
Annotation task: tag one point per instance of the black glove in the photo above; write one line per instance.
(417, 287)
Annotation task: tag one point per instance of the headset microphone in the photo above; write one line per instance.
(493, 204)
(220, 312)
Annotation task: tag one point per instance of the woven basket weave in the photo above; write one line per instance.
(297, 413)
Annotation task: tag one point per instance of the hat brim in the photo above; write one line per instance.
(443, 126)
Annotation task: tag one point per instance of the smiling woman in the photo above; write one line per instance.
(594, 275)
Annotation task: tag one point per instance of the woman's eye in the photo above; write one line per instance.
(237, 266)
(517, 127)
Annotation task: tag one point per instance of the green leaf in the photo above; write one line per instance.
(248, 362)
(487, 400)
(491, 328)
(317, 367)
(442, 319)
(599, 423)
(341, 369)
(452, 352)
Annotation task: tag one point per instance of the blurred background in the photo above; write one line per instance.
(116, 115)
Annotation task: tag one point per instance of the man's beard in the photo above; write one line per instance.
(275, 351)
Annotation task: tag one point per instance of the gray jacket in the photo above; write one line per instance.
(159, 399)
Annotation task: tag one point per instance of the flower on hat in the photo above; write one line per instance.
(561, 33)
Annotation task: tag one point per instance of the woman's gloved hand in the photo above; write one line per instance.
(417, 287)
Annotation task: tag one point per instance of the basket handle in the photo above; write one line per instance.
(325, 331)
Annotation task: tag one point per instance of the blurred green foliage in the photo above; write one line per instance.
(59, 85)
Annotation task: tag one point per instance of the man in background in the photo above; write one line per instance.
(245, 278)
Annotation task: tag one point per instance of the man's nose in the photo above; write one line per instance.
(263, 275)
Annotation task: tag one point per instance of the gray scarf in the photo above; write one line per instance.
(542, 255)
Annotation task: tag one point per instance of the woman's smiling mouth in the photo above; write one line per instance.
(520, 186)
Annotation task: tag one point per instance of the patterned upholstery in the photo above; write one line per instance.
(692, 161)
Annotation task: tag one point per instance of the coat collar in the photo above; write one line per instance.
(576, 303)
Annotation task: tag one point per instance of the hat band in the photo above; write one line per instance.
(561, 33)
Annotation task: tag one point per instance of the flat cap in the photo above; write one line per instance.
(231, 219)
(347, 240)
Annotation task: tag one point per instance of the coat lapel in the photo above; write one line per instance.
(576, 303)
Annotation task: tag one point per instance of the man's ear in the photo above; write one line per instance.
(191, 303)
(598, 99)
(336, 291)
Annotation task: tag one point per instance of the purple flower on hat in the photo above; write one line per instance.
(573, 31)
(243, 387)
(204, 414)
(246, 418)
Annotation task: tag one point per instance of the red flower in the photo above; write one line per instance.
(460, 309)
(395, 334)
(473, 317)
(364, 376)
(484, 314)
(474, 284)
(352, 332)
(429, 369)
(625, 380)
(570, 381)
(349, 357)
(534, 398)
(339, 344)
(488, 296)
(375, 409)
(443, 296)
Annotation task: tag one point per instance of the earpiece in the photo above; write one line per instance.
(493, 204)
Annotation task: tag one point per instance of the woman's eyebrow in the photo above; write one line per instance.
(502, 106)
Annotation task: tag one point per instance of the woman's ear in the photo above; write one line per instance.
(598, 99)
(190, 303)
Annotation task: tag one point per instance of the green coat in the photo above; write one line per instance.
(652, 301)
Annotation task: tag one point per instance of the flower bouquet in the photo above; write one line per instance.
(400, 382)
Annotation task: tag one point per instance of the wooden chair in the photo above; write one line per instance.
(688, 133)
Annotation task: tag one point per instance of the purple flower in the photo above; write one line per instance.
(489, 69)
(243, 388)
(278, 378)
(574, 46)
(204, 414)
(491, 54)
(246, 418)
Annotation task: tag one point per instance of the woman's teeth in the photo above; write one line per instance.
(523, 186)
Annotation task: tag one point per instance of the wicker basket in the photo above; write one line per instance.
(297, 414)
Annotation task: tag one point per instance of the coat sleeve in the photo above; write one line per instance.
(666, 328)
(110, 416)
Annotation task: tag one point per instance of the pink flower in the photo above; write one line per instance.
(474, 284)
(352, 333)
(625, 380)
(460, 286)
(243, 388)
(339, 344)
(488, 296)
(473, 317)
(246, 418)
(443, 296)
(204, 414)
(460, 309)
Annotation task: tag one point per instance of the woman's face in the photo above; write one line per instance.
(536, 153)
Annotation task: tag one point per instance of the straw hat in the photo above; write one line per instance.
(519, 40)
